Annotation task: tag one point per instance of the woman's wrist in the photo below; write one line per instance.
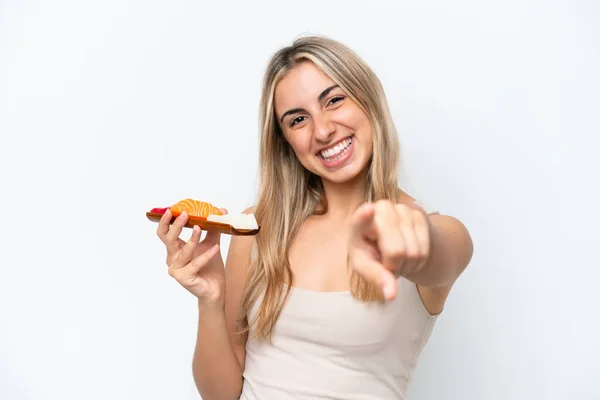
(211, 306)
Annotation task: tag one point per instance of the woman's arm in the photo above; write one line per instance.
(220, 353)
(238, 263)
(451, 249)
(450, 253)
(216, 371)
(390, 240)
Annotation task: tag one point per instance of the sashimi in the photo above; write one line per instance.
(199, 211)
(194, 208)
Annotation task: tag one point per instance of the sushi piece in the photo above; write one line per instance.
(194, 208)
(208, 217)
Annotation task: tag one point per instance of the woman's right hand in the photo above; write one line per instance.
(195, 264)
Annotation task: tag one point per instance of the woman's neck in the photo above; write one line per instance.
(344, 198)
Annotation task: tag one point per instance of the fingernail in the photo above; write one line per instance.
(387, 291)
(214, 248)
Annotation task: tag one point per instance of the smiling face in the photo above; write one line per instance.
(329, 133)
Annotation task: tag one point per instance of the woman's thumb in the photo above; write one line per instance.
(212, 236)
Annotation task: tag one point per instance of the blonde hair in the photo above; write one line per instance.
(289, 193)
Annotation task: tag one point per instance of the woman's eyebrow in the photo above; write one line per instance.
(326, 92)
(320, 98)
(292, 111)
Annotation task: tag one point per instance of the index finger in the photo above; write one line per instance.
(164, 225)
(374, 272)
(176, 228)
(362, 220)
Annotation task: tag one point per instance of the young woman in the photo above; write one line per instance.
(337, 295)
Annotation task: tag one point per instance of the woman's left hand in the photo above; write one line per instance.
(388, 240)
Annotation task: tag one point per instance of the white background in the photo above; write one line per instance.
(110, 108)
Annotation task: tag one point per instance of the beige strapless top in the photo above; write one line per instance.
(327, 345)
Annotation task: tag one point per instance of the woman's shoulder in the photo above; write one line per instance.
(249, 210)
(408, 199)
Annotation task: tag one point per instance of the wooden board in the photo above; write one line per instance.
(206, 225)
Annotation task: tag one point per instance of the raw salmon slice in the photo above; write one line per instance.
(195, 208)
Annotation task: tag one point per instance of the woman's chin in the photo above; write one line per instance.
(342, 175)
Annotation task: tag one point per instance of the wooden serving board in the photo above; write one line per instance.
(206, 225)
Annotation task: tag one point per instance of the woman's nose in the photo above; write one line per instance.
(323, 128)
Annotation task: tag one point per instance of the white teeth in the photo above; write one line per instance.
(336, 151)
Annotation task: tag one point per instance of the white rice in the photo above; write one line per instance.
(238, 221)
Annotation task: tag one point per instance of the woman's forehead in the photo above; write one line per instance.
(300, 86)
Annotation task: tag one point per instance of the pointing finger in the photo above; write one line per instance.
(362, 220)
(390, 239)
(373, 271)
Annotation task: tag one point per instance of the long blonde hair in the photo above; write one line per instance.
(289, 193)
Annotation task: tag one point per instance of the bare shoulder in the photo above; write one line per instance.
(236, 270)
(249, 210)
(405, 198)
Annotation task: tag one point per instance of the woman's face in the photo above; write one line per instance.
(330, 134)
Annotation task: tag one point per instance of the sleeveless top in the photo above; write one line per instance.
(327, 345)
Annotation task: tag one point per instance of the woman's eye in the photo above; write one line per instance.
(336, 99)
(296, 120)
